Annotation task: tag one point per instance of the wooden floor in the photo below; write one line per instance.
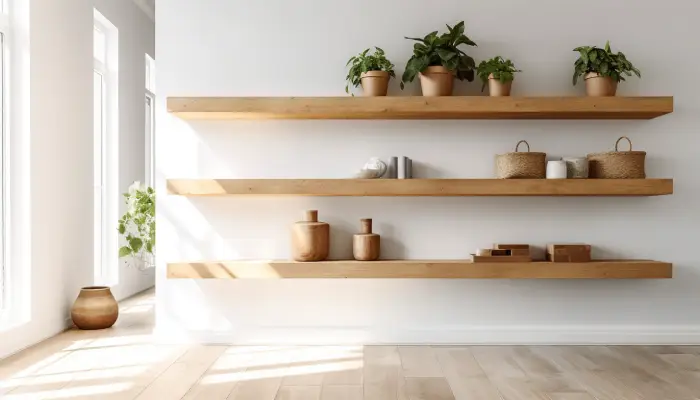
(123, 363)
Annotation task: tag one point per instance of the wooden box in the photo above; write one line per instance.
(569, 252)
(515, 253)
(514, 249)
(500, 259)
(512, 246)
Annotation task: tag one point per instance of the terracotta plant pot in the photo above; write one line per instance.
(600, 86)
(498, 88)
(95, 308)
(375, 83)
(436, 81)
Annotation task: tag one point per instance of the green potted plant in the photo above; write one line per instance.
(499, 75)
(372, 71)
(138, 225)
(602, 69)
(437, 59)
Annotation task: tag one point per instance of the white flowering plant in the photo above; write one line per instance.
(138, 224)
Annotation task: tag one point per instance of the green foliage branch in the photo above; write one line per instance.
(138, 224)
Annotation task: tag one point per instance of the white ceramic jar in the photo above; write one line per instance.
(556, 170)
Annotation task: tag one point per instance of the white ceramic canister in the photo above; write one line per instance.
(576, 167)
(556, 170)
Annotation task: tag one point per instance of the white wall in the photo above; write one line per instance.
(282, 48)
(52, 187)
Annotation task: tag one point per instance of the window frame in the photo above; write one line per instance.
(150, 127)
(106, 153)
(5, 44)
(150, 145)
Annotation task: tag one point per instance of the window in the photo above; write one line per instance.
(105, 142)
(4, 40)
(150, 121)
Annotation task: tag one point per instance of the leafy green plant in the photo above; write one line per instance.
(435, 50)
(603, 62)
(503, 70)
(365, 62)
(138, 224)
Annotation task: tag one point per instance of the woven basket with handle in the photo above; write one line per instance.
(618, 164)
(521, 165)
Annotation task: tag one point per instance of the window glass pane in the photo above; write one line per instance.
(150, 141)
(150, 74)
(99, 45)
(98, 171)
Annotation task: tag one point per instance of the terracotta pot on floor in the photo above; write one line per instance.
(375, 83)
(599, 86)
(436, 81)
(95, 308)
(498, 88)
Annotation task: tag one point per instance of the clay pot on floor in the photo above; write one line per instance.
(374, 83)
(600, 86)
(95, 308)
(498, 88)
(436, 81)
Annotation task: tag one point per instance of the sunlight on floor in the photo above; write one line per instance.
(282, 371)
(121, 362)
(72, 393)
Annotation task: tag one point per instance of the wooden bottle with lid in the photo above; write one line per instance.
(365, 245)
(310, 238)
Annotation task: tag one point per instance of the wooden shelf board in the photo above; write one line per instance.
(421, 187)
(437, 269)
(418, 107)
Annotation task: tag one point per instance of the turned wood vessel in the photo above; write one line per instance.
(365, 245)
(310, 238)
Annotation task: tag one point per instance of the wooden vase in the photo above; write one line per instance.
(310, 238)
(95, 308)
(365, 245)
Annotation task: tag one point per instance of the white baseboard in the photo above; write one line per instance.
(516, 335)
(29, 336)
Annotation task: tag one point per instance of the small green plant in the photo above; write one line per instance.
(138, 224)
(435, 50)
(365, 62)
(603, 62)
(503, 70)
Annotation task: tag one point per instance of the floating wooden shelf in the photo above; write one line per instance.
(421, 187)
(442, 269)
(417, 107)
